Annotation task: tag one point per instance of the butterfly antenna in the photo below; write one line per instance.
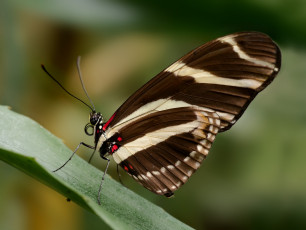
(45, 70)
(83, 85)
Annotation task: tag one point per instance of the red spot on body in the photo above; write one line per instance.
(131, 167)
(125, 168)
(114, 148)
(109, 121)
(119, 139)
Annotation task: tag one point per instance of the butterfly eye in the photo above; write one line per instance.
(94, 118)
(89, 130)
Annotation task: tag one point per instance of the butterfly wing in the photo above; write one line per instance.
(163, 149)
(223, 75)
(169, 124)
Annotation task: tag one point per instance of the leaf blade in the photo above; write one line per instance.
(30, 148)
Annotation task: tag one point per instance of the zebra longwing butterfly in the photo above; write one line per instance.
(163, 132)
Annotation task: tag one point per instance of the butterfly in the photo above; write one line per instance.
(162, 133)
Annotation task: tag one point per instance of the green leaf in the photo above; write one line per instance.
(27, 146)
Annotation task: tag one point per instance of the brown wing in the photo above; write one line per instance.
(168, 125)
(223, 75)
(163, 149)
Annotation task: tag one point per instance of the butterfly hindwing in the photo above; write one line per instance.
(163, 149)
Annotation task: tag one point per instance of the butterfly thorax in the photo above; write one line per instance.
(98, 132)
(110, 145)
(103, 144)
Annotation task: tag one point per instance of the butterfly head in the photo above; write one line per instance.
(95, 117)
(94, 120)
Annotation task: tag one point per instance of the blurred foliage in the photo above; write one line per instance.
(254, 177)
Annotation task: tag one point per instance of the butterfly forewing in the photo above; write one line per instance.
(168, 125)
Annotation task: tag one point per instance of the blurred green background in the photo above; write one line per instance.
(254, 177)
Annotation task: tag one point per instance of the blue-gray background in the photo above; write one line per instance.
(254, 177)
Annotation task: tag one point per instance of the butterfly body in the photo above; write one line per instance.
(164, 131)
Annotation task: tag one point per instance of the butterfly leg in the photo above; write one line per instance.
(91, 156)
(82, 143)
(100, 188)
